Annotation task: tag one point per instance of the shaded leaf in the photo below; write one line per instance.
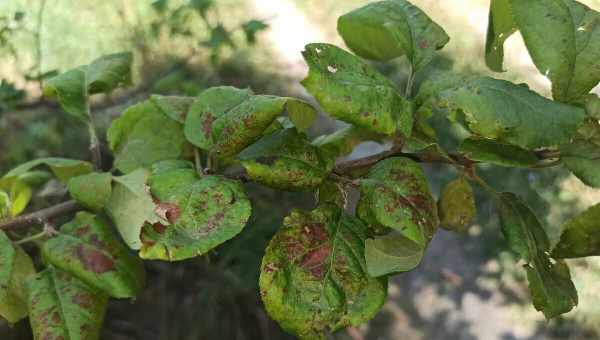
(388, 29)
(580, 236)
(457, 205)
(500, 110)
(343, 141)
(287, 160)
(87, 249)
(63, 168)
(391, 253)
(550, 283)
(144, 135)
(103, 75)
(499, 153)
(563, 39)
(63, 307)
(316, 260)
(131, 206)
(92, 190)
(201, 214)
(175, 107)
(582, 155)
(501, 25)
(16, 268)
(592, 106)
(352, 91)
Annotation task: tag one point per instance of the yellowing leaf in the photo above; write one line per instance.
(16, 267)
(457, 205)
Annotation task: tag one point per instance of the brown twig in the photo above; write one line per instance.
(60, 209)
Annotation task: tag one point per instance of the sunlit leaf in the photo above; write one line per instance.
(88, 249)
(63, 168)
(301, 114)
(501, 25)
(580, 236)
(92, 190)
(63, 307)
(388, 29)
(16, 268)
(317, 261)
(350, 90)
(457, 205)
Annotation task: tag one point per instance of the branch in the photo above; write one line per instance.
(27, 220)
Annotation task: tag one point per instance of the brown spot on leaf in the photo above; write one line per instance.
(423, 44)
(159, 227)
(207, 122)
(80, 232)
(168, 211)
(315, 260)
(83, 300)
(94, 260)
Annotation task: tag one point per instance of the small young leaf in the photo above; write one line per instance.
(225, 119)
(131, 206)
(144, 135)
(63, 168)
(175, 107)
(563, 39)
(352, 91)
(388, 29)
(550, 283)
(16, 195)
(392, 253)
(580, 236)
(92, 190)
(498, 109)
(201, 214)
(499, 153)
(500, 26)
(317, 261)
(582, 155)
(457, 205)
(286, 160)
(63, 307)
(343, 141)
(87, 249)
(103, 75)
(251, 28)
(16, 268)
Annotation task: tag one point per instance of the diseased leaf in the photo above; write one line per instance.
(175, 107)
(16, 267)
(563, 39)
(343, 141)
(144, 135)
(501, 25)
(582, 155)
(580, 236)
(301, 114)
(201, 214)
(87, 249)
(317, 260)
(63, 168)
(388, 29)
(92, 190)
(592, 106)
(500, 110)
(391, 253)
(225, 119)
(550, 283)
(499, 153)
(63, 307)
(395, 195)
(287, 160)
(352, 91)
(103, 75)
(131, 206)
(457, 205)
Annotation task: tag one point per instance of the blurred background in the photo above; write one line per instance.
(468, 287)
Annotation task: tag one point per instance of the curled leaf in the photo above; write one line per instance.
(457, 205)
(499, 153)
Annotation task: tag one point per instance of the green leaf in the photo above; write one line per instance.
(457, 205)
(500, 26)
(202, 5)
(88, 249)
(352, 91)
(92, 190)
(175, 107)
(131, 206)
(550, 283)
(592, 106)
(287, 160)
(498, 109)
(395, 195)
(317, 261)
(225, 119)
(392, 253)
(103, 75)
(5, 205)
(63, 168)
(343, 141)
(251, 28)
(580, 236)
(582, 155)
(563, 39)
(16, 268)
(385, 30)
(499, 153)
(16, 193)
(201, 214)
(301, 113)
(144, 135)
(63, 307)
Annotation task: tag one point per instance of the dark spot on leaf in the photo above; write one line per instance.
(80, 232)
(83, 300)
(159, 227)
(94, 260)
(423, 44)
(207, 122)
(315, 260)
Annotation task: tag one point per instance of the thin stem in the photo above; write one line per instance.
(49, 213)
(33, 237)
(198, 162)
(409, 82)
